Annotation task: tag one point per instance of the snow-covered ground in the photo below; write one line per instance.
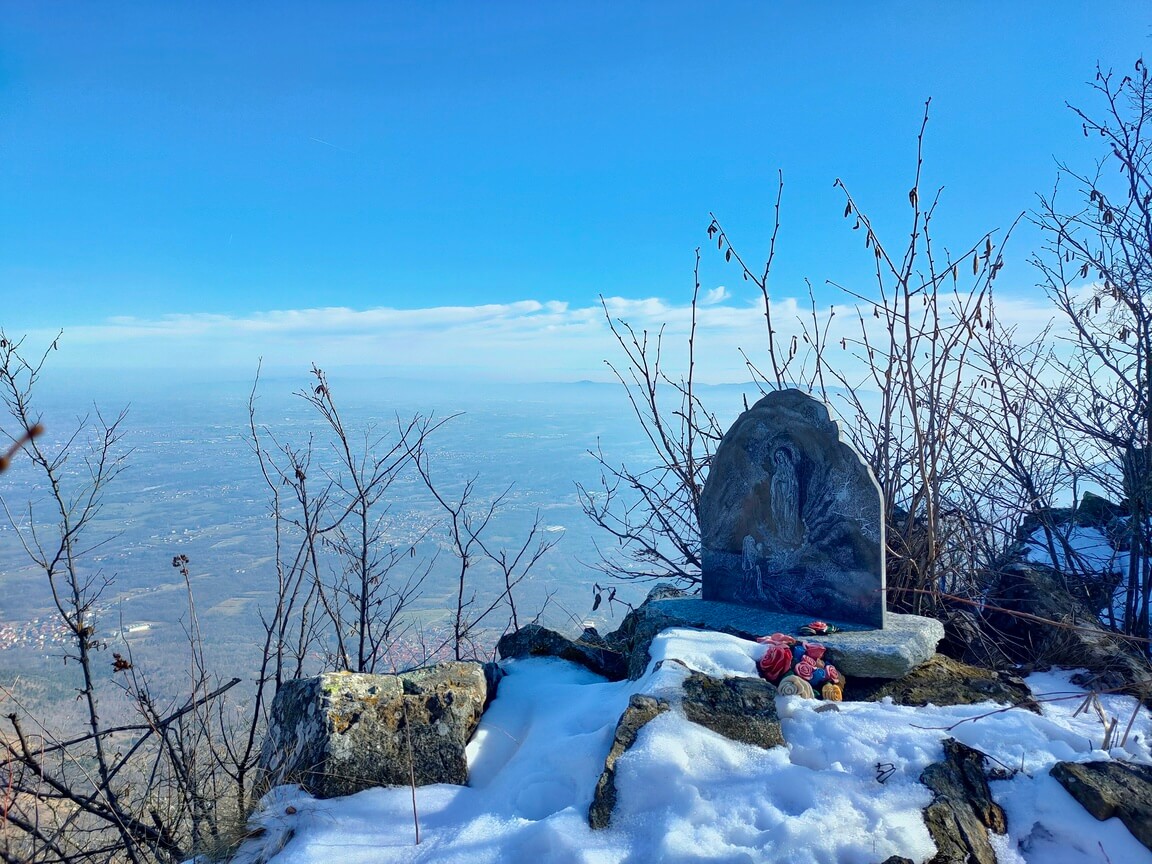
(845, 789)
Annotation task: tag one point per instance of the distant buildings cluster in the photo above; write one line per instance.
(38, 633)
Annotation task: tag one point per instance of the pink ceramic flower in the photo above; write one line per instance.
(777, 660)
(805, 668)
(818, 627)
(814, 650)
(833, 674)
(776, 639)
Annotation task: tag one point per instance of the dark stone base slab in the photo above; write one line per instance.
(740, 619)
(905, 642)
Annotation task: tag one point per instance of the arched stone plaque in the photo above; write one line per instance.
(791, 516)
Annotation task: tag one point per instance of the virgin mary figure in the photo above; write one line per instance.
(785, 503)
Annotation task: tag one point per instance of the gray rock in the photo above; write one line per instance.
(665, 591)
(791, 516)
(640, 711)
(904, 643)
(962, 810)
(743, 709)
(1108, 789)
(639, 628)
(536, 641)
(341, 732)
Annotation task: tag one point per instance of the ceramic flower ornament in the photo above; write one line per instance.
(800, 668)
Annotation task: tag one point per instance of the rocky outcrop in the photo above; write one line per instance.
(962, 811)
(1077, 639)
(640, 711)
(536, 641)
(341, 732)
(944, 681)
(1108, 789)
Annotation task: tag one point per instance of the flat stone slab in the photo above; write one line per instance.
(739, 619)
(905, 642)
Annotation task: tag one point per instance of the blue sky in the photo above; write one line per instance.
(450, 185)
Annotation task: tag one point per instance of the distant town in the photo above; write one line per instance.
(48, 630)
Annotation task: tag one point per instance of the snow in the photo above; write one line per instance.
(845, 789)
(1092, 551)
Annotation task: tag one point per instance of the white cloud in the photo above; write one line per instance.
(716, 295)
(523, 340)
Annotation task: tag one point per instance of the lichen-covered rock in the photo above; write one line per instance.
(743, 709)
(1107, 789)
(944, 681)
(962, 811)
(341, 732)
(536, 641)
(640, 711)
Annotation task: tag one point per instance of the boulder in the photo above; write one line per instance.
(944, 681)
(743, 709)
(640, 711)
(1095, 511)
(341, 732)
(962, 810)
(536, 641)
(1108, 789)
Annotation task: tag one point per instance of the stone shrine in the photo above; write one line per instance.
(791, 517)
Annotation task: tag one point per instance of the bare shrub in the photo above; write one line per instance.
(1097, 268)
(179, 779)
(143, 791)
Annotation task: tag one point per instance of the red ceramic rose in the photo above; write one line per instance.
(805, 668)
(776, 662)
(814, 650)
